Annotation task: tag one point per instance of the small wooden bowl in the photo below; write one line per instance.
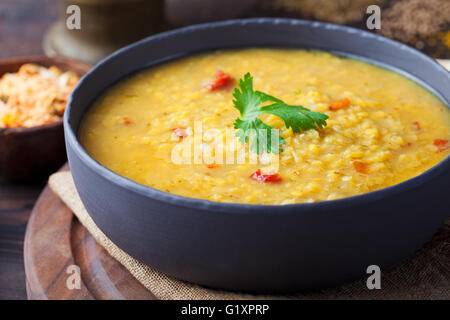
(27, 153)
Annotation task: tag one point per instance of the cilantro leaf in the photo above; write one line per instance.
(296, 117)
(261, 136)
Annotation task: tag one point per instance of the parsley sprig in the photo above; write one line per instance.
(248, 102)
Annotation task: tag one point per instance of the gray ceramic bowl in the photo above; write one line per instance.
(254, 247)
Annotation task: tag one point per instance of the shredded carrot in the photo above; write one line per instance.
(417, 125)
(361, 167)
(339, 104)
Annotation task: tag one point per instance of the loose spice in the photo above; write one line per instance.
(409, 18)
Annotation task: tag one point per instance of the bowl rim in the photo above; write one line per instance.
(245, 208)
(30, 130)
(35, 59)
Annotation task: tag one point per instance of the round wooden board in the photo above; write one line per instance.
(54, 241)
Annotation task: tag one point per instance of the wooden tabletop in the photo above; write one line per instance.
(16, 202)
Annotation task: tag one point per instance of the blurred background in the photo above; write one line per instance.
(36, 27)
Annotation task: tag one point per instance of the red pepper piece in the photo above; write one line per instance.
(222, 79)
(180, 132)
(265, 177)
(441, 144)
(126, 121)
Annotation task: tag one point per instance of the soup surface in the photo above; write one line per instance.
(382, 128)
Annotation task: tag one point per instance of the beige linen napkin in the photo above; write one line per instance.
(445, 63)
(425, 275)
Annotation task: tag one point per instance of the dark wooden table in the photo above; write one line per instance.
(16, 202)
(22, 25)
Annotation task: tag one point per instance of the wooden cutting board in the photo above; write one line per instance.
(54, 241)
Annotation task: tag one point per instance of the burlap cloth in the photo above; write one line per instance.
(425, 275)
